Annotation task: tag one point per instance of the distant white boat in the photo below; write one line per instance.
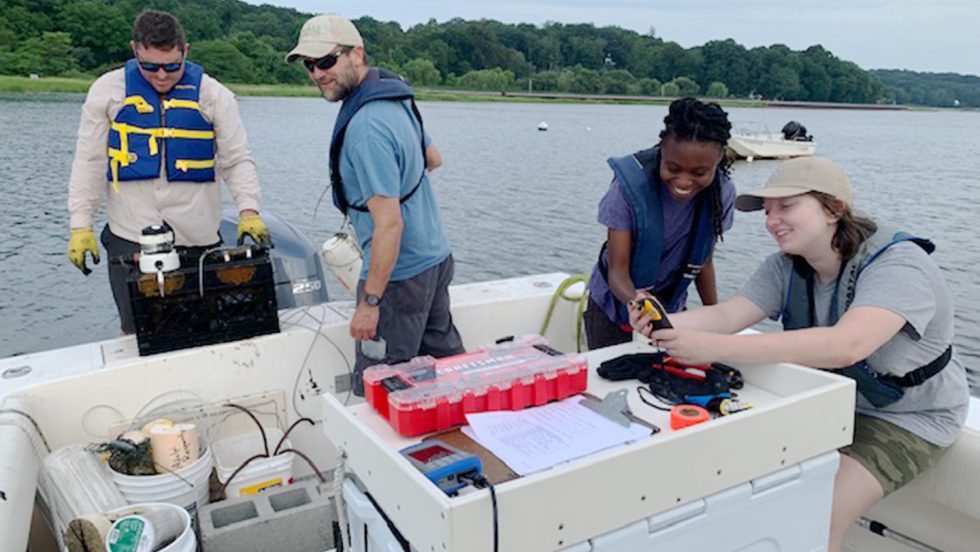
(756, 141)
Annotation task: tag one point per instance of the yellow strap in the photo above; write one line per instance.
(114, 167)
(117, 158)
(120, 157)
(141, 104)
(187, 164)
(185, 104)
(182, 133)
(123, 128)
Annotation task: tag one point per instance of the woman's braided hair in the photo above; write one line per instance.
(697, 121)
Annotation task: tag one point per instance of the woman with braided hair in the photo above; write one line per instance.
(665, 209)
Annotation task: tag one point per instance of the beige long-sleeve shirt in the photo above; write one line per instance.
(193, 209)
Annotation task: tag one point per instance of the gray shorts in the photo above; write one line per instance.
(414, 320)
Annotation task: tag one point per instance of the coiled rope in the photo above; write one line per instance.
(580, 300)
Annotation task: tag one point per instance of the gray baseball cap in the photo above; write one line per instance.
(799, 176)
(323, 33)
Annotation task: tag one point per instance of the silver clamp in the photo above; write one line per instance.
(613, 407)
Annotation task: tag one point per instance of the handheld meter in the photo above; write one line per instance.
(443, 464)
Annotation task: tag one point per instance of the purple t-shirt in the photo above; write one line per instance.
(616, 212)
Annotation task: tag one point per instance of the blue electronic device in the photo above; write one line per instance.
(443, 464)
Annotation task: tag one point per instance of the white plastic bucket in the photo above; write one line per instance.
(261, 474)
(189, 490)
(186, 542)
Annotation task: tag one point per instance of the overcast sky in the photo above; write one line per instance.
(920, 35)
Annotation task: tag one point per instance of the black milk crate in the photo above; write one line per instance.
(239, 302)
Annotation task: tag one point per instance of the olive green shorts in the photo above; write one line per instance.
(895, 456)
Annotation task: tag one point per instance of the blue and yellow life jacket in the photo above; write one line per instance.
(148, 118)
(877, 386)
(638, 175)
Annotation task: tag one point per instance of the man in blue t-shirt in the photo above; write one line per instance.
(379, 158)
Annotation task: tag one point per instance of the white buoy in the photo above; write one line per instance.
(542, 126)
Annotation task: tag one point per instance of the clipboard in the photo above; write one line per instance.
(629, 415)
(493, 468)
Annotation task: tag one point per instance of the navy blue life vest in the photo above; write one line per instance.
(878, 387)
(379, 84)
(151, 127)
(639, 175)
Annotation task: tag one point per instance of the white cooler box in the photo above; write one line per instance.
(758, 515)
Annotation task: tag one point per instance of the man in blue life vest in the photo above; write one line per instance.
(155, 138)
(379, 159)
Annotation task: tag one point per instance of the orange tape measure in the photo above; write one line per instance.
(684, 415)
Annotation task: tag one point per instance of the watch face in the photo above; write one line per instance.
(372, 300)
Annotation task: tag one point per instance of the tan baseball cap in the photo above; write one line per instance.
(799, 176)
(323, 33)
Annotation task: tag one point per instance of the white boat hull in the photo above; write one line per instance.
(83, 393)
(768, 146)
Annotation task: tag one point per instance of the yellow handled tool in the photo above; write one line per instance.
(657, 312)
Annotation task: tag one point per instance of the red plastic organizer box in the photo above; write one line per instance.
(427, 394)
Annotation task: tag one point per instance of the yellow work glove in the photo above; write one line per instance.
(82, 241)
(253, 227)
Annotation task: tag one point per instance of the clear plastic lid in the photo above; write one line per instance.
(425, 380)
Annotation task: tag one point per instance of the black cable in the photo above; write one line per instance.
(316, 470)
(265, 440)
(639, 391)
(290, 430)
(480, 482)
(493, 500)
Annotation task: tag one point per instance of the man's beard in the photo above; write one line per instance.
(345, 86)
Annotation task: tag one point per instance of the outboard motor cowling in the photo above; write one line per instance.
(796, 132)
(296, 265)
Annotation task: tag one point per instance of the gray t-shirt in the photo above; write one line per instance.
(906, 281)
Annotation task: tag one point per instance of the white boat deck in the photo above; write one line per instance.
(82, 393)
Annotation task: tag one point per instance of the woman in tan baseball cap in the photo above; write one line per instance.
(854, 297)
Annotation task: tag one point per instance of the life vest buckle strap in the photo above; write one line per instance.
(114, 168)
(922, 374)
(141, 105)
(185, 165)
(175, 103)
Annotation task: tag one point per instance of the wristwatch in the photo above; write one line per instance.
(372, 299)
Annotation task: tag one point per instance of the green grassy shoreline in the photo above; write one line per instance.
(61, 85)
(53, 85)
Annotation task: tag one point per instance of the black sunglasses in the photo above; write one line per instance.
(154, 67)
(327, 61)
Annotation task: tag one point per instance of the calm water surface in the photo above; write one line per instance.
(515, 201)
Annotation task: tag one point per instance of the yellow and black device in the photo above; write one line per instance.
(657, 312)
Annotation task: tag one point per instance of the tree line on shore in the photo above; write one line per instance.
(242, 43)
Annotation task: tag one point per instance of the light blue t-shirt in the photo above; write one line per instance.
(382, 157)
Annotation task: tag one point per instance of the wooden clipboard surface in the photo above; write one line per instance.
(493, 468)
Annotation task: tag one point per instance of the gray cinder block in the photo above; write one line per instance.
(295, 518)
